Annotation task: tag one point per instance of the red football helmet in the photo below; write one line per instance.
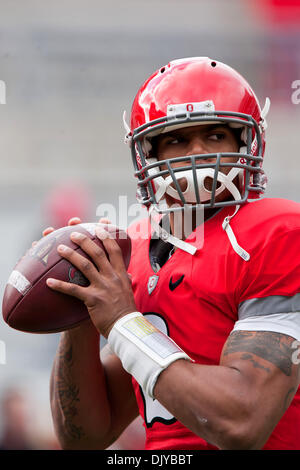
(189, 92)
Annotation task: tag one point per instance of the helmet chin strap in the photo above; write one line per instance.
(226, 182)
(168, 237)
(237, 248)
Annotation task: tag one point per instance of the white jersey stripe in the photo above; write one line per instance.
(285, 323)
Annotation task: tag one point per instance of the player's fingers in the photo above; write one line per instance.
(67, 288)
(47, 231)
(33, 244)
(113, 250)
(74, 221)
(95, 252)
(85, 266)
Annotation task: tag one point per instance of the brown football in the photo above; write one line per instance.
(29, 304)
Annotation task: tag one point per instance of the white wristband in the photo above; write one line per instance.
(143, 349)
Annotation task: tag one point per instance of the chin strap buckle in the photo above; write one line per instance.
(237, 248)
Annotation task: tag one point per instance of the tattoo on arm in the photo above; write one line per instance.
(255, 363)
(272, 347)
(68, 392)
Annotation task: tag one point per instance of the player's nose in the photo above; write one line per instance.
(196, 146)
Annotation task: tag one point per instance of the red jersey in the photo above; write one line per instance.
(199, 299)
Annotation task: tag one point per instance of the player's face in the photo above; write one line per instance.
(198, 140)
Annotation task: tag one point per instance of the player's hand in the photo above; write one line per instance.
(109, 295)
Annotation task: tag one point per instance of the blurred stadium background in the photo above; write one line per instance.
(71, 67)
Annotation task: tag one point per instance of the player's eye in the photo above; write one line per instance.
(174, 140)
(217, 136)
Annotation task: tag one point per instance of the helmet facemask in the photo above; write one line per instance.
(204, 179)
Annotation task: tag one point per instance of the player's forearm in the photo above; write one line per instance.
(79, 402)
(212, 401)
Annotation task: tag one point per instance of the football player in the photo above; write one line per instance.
(203, 336)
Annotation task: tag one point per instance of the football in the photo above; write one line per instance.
(29, 305)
